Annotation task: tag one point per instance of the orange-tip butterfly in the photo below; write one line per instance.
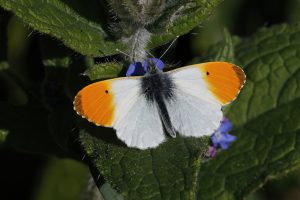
(186, 101)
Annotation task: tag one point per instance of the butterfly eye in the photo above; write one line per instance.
(106, 91)
(207, 73)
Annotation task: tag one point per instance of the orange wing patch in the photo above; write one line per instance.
(96, 103)
(224, 80)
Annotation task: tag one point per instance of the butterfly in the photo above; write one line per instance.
(186, 101)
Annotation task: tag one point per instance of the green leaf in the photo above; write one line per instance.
(62, 179)
(10, 89)
(167, 172)
(108, 192)
(19, 44)
(68, 21)
(104, 71)
(221, 51)
(27, 126)
(138, 12)
(54, 54)
(226, 52)
(179, 17)
(265, 116)
(3, 135)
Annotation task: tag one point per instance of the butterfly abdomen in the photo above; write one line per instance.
(158, 88)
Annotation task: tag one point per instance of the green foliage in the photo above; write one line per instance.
(3, 135)
(179, 18)
(80, 26)
(27, 133)
(37, 112)
(225, 52)
(59, 19)
(167, 172)
(265, 117)
(62, 180)
(104, 71)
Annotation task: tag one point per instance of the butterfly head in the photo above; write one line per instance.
(153, 65)
(150, 66)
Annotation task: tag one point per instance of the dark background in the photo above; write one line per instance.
(20, 171)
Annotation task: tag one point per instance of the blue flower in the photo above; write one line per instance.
(221, 137)
(137, 69)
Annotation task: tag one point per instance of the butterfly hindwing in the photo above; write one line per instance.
(119, 103)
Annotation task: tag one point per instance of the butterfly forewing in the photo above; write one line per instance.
(223, 79)
(95, 102)
(120, 103)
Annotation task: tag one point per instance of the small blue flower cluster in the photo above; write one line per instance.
(221, 138)
(139, 69)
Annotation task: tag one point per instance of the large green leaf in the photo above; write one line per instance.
(265, 116)
(76, 24)
(225, 51)
(179, 18)
(167, 172)
(63, 179)
(221, 51)
(84, 26)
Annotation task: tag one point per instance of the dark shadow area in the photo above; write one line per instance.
(255, 14)
(18, 174)
(107, 135)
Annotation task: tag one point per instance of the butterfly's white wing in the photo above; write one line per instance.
(193, 110)
(118, 103)
(137, 120)
(199, 93)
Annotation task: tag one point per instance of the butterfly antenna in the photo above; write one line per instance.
(122, 52)
(169, 46)
(150, 54)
